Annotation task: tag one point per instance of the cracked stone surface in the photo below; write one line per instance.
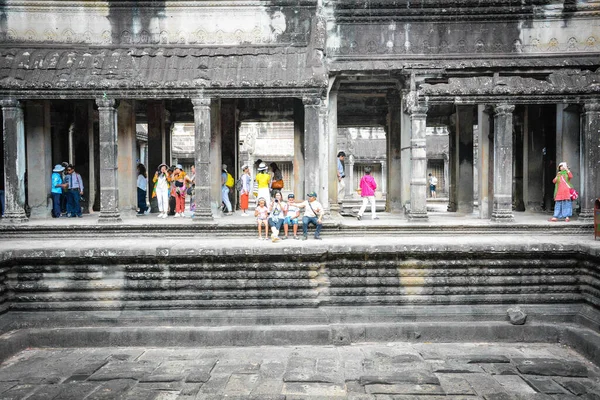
(381, 371)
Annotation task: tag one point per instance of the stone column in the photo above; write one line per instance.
(418, 159)
(156, 156)
(452, 180)
(332, 134)
(324, 165)
(483, 122)
(216, 155)
(405, 147)
(299, 149)
(312, 122)
(13, 133)
(109, 182)
(393, 152)
(464, 161)
(590, 189)
(503, 152)
(202, 128)
(349, 179)
(126, 158)
(383, 177)
(569, 141)
(39, 162)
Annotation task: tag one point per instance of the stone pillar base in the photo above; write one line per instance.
(417, 216)
(15, 217)
(502, 216)
(109, 217)
(586, 215)
(202, 215)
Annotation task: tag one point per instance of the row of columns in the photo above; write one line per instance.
(319, 150)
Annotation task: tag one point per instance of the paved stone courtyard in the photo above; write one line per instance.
(399, 371)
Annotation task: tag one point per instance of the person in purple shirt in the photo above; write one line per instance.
(367, 192)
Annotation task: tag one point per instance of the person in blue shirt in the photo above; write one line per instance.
(56, 189)
(341, 175)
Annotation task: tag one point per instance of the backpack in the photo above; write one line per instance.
(239, 184)
(229, 182)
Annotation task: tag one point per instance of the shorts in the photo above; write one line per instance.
(432, 188)
(290, 221)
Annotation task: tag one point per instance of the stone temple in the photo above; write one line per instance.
(471, 296)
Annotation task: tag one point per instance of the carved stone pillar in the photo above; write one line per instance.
(383, 177)
(503, 174)
(324, 165)
(349, 179)
(332, 133)
(39, 165)
(590, 189)
(202, 159)
(464, 160)
(483, 118)
(393, 176)
(109, 182)
(312, 122)
(418, 158)
(13, 133)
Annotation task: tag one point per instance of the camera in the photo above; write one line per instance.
(276, 201)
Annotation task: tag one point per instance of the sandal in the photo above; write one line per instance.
(552, 219)
(567, 219)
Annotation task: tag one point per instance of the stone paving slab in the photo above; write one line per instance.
(404, 371)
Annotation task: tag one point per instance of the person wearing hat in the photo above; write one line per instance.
(179, 190)
(245, 191)
(292, 212)
(313, 214)
(341, 175)
(225, 189)
(56, 190)
(161, 189)
(563, 206)
(263, 179)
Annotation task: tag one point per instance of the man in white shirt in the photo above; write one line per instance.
(433, 181)
(313, 214)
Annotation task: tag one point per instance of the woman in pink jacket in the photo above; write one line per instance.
(367, 192)
(563, 206)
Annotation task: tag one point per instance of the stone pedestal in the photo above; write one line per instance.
(202, 160)
(13, 132)
(312, 106)
(503, 171)
(109, 182)
(39, 167)
(418, 158)
(590, 189)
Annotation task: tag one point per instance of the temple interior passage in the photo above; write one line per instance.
(452, 149)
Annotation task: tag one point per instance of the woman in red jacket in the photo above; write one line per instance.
(563, 206)
(367, 192)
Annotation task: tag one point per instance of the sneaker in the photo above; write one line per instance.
(177, 215)
(147, 212)
(159, 215)
(304, 237)
(164, 215)
(317, 237)
(296, 238)
(81, 216)
(275, 239)
(359, 217)
(245, 214)
(284, 238)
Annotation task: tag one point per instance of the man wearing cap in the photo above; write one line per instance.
(313, 214)
(225, 189)
(56, 190)
(74, 194)
(341, 175)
